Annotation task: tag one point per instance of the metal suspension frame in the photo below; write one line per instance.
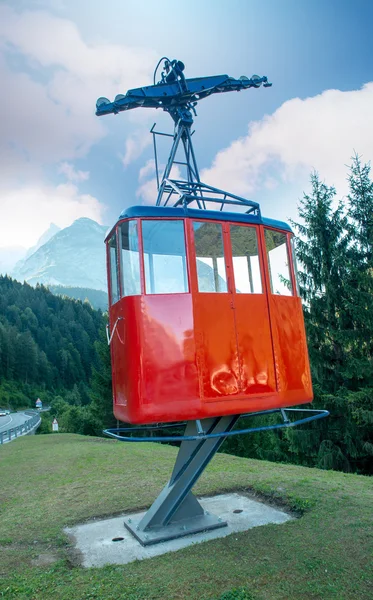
(179, 96)
(192, 191)
(176, 512)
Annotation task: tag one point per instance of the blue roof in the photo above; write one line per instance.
(197, 213)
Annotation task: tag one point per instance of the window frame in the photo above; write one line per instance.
(113, 233)
(294, 271)
(120, 257)
(226, 250)
(287, 235)
(256, 228)
(142, 257)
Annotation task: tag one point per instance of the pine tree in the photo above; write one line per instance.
(335, 253)
(322, 251)
(360, 212)
(360, 282)
(101, 384)
(360, 208)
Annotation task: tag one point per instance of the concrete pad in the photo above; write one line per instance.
(95, 540)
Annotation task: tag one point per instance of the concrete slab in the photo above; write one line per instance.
(108, 541)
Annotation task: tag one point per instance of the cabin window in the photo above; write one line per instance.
(211, 270)
(131, 282)
(113, 260)
(164, 256)
(294, 257)
(278, 262)
(245, 257)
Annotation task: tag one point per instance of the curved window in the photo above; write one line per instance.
(131, 282)
(278, 262)
(164, 256)
(245, 258)
(294, 256)
(211, 271)
(113, 262)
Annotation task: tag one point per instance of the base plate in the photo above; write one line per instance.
(172, 531)
(107, 542)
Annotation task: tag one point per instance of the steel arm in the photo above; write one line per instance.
(169, 96)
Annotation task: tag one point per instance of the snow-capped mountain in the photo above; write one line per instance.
(47, 235)
(74, 256)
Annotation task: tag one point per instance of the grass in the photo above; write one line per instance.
(52, 481)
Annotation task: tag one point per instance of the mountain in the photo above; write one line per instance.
(10, 256)
(47, 235)
(74, 257)
(97, 298)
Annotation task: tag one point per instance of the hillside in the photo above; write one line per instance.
(97, 298)
(47, 343)
(324, 554)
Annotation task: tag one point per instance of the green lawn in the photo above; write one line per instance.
(48, 482)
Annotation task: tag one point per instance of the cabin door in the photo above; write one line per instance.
(251, 313)
(233, 338)
(214, 325)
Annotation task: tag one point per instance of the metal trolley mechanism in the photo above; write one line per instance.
(146, 322)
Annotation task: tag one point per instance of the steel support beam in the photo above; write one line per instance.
(176, 512)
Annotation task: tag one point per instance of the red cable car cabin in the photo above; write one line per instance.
(205, 316)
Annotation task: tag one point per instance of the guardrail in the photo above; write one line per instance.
(24, 429)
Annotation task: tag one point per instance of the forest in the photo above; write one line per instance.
(334, 248)
(48, 350)
(55, 348)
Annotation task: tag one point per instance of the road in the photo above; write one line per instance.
(11, 421)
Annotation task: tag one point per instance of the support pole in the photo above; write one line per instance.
(176, 512)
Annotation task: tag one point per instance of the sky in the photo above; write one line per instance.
(59, 162)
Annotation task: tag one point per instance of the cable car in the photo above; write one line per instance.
(205, 318)
(204, 310)
(205, 315)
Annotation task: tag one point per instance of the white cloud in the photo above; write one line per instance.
(319, 133)
(48, 102)
(135, 146)
(28, 211)
(50, 79)
(71, 173)
(148, 191)
(147, 169)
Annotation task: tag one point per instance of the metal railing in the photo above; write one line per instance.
(24, 429)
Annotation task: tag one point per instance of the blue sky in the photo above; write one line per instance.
(59, 162)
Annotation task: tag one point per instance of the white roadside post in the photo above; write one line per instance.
(54, 425)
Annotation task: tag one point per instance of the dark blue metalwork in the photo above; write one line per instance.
(316, 414)
(179, 96)
(166, 211)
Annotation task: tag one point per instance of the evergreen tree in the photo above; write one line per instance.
(335, 254)
(101, 385)
(360, 208)
(322, 251)
(360, 281)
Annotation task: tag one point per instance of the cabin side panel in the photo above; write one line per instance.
(286, 317)
(126, 344)
(168, 360)
(290, 349)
